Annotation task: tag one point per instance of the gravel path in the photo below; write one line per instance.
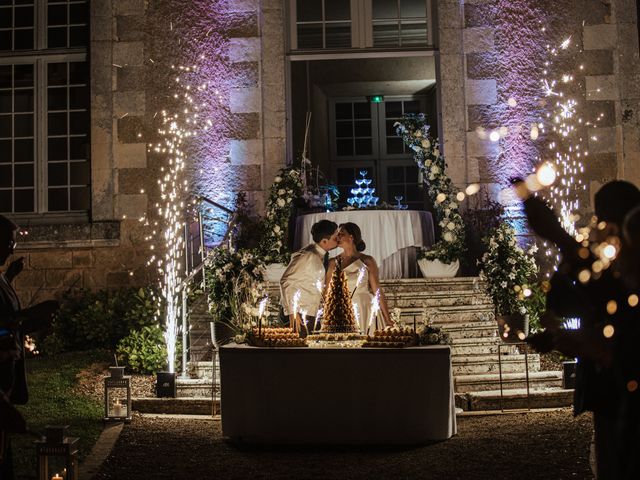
(548, 445)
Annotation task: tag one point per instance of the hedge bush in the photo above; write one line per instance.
(89, 320)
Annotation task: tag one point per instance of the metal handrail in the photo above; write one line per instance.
(183, 285)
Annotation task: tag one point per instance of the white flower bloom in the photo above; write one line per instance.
(281, 191)
(426, 143)
(427, 163)
(280, 202)
(523, 310)
(436, 152)
(451, 226)
(418, 134)
(276, 229)
(277, 179)
(435, 169)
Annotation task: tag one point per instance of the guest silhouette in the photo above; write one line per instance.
(15, 322)
(595, 301)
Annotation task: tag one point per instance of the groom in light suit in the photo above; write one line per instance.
(305, 274)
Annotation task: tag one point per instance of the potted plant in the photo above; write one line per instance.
(510, 273)
(443, 258)
(287, 187)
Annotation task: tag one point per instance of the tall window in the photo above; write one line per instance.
(323, 24)
(363, 139)
(44, 107)
(346, 24)
(399, 23)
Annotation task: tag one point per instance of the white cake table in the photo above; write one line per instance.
(349, 396)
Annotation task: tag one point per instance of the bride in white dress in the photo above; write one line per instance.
(362, 276)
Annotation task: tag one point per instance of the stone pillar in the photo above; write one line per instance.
(272, 73)
(452, 87)
(626, 68)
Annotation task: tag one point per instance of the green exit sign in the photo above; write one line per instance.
(376, 98)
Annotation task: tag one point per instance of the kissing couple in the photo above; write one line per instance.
(308, 275)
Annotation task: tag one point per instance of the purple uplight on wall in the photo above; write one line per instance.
(196, 34)
(521, 30)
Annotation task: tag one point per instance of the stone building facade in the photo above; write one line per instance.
(245, 46)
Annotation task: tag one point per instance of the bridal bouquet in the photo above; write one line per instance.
(443, 195)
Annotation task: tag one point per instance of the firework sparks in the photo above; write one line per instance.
(375, 308)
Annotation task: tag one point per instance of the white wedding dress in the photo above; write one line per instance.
(362, 299)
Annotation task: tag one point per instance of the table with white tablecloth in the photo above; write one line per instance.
(391, 236)
(337, 396)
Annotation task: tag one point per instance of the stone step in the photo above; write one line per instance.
(182, 406)
(203, 370)
(477, 348)
(482, 330)
(438, 299)
(510, 364)
(514, 399)
(537, 380)
(418, 285)
(195, 387)
(455, 284)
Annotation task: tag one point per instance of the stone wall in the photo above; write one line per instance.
(479, 42)
(240, 46)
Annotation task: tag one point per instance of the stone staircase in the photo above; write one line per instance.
(461, 307)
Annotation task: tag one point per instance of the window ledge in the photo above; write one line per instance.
(70, 235)
(324, 54)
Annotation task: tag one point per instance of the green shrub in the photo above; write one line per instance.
(88, 320)
(144, 350)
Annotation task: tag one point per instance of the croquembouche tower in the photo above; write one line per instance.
(338, 314)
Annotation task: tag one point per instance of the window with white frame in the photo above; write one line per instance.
(363, 138)
(44, 107)
(347, 24)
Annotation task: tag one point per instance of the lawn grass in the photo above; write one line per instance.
(52, 401)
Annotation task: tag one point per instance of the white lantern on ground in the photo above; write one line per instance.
(57, 455)
(117, 396)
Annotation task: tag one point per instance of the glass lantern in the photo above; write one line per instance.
(57, 455)
(117, 396)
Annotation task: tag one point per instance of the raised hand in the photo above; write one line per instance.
(14, 269)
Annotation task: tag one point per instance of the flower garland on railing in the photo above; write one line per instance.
(443, 194)
(286, 188)
(510, 272)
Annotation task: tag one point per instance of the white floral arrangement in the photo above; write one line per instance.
(443, 195)
(510, 271)
(233, 275)
(287, 187)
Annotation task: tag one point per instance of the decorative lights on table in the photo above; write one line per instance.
(57, 455)
(363, 195)
(117, 396)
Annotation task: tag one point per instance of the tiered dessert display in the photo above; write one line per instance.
(275, 337)
(394, 337)
(338, 314)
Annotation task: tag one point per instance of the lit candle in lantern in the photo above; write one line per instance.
(118, 409)
(57, 477)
